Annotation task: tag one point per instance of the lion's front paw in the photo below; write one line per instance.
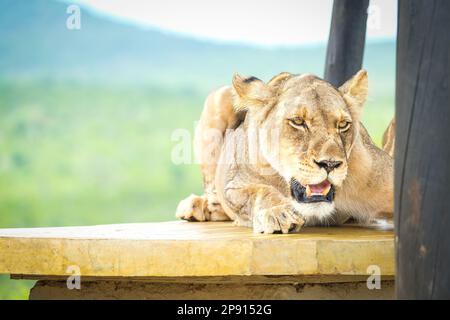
(193, 208)
(279, 219)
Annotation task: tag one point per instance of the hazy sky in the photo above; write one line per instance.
(273, 22)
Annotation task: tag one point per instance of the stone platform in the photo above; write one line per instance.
(215, 260)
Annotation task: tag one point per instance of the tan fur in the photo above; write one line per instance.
(250, 149)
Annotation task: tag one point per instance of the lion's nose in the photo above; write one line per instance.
(328, 165)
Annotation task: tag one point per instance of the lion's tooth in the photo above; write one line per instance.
(326, 190)
(308, 191)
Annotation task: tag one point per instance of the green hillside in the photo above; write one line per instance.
(34, 42)
(87, 116)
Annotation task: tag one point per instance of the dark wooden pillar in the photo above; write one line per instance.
(346, 41)
(422, 165)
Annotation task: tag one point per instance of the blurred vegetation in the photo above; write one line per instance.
(86, 119)
(75, 154)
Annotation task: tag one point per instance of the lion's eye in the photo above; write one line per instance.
(343, 125)
(297, 122)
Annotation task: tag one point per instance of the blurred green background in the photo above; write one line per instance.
(86, 116)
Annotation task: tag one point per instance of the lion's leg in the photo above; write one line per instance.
(218, 115)
(193, 208)
(264, 208)
(197, 208)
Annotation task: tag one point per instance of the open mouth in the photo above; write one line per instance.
(321, 192)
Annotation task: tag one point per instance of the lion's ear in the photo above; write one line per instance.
(279, 79)
(251, 92)
(355, 91)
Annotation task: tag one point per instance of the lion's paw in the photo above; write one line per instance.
(193, 208)
(279, 219)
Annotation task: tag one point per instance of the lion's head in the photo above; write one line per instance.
(310, 128)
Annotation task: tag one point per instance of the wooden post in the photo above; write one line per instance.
(346, 41)
(422, 165)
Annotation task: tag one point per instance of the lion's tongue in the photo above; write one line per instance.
(318, 189)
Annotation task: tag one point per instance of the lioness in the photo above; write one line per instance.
(291, 152)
